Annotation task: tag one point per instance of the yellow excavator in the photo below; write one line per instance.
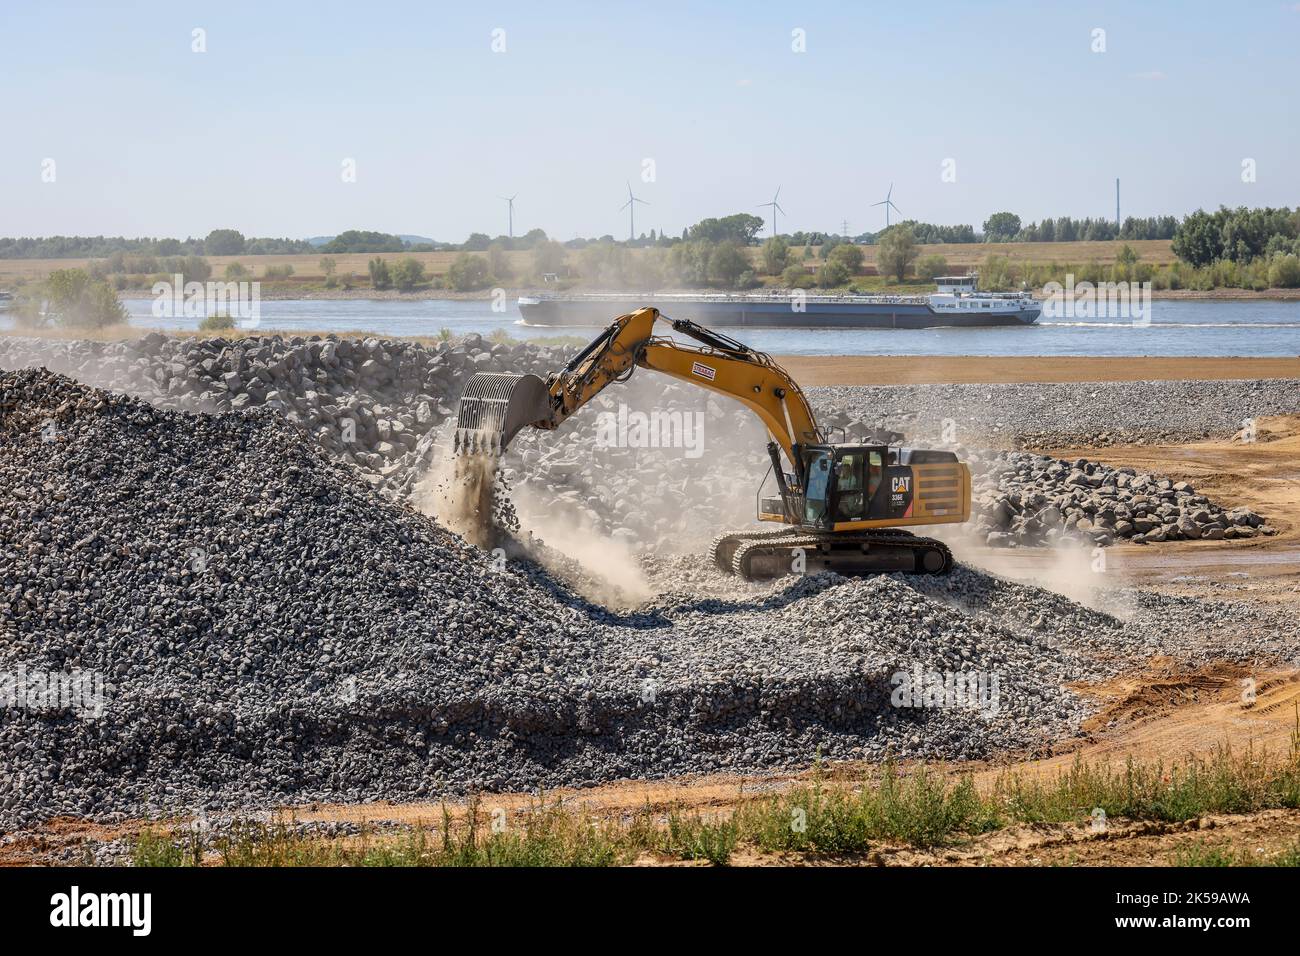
(845, 505)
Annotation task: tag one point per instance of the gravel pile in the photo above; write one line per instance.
(365, 401)
(654, 463)
(1026, 499)
(269, 630)
(1052, 415)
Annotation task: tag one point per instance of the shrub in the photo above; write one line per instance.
(548, 256)
(1284, 272)
(848, 255)
(499, 262)
(217, 323)
(407, 274)
(776, 256)
(796, 277)
(832, 274)
(236, 270)
(927, 267)
(277, 272)
(191, 268)
(380, 277)
(998, 275)
(77, 300)
(468, 273)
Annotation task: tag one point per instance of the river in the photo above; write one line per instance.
(1178, 327)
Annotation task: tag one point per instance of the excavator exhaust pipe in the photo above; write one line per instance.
(494, 407)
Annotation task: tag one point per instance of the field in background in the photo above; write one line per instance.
(307, 268)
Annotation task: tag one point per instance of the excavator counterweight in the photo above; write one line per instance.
(846, 506)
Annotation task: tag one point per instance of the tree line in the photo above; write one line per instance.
(743, 228)
(219, 242)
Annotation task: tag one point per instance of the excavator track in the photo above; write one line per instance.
(724, 545)
(763, 556)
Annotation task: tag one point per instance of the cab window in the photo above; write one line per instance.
(814, 498)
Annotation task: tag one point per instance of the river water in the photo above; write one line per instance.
(1181, 327)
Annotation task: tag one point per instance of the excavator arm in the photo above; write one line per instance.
(497, 406)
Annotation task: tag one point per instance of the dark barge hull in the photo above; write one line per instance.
(777, 314)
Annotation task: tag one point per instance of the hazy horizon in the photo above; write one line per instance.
(149, 138)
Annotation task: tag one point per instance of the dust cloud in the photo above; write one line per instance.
(461, 492)
(1087, 576)
(468, 495)
(599, 567)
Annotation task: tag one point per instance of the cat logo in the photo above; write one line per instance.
(901, 484)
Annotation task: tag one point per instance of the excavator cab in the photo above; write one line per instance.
(850, 487)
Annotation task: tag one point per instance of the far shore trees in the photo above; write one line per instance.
(1001, 227)
(897, 252)
(224, 242)
(499, 262)
(776, 256)
(740, 228)
(548, 258)
(847, 255)
(727, 264)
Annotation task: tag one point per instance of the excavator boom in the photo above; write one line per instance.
(496, 406)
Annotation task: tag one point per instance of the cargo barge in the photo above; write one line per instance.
(956, 303)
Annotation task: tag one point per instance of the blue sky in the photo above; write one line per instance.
(149, 138)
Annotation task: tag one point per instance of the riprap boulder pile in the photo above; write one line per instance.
(1025, 499)
(367, 401)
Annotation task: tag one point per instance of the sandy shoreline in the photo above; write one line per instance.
(811, 370)
(939, 369)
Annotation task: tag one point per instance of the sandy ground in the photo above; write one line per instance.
(937, 369)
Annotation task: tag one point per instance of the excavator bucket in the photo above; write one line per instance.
(494, 407)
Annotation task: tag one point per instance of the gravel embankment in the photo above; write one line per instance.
(1049, 415)
(655, 462)
(272, 630)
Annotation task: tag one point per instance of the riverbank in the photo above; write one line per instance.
(830, 370)
(813, 370)
(277, 292)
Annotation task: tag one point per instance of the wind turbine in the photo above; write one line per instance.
(510, 215)
(887, 202)
(630, 206)
(775, 206)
